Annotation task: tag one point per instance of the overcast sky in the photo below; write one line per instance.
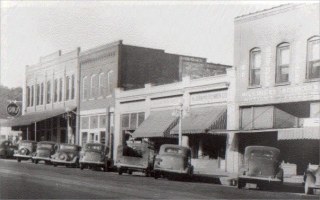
(33, 29)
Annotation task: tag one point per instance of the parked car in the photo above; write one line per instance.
(95, 155)
(26, 150)
(6, 149)
(173, 160)
(45, 149)
(261, 167)
(67, 154)
(135, 157)
(312, 179)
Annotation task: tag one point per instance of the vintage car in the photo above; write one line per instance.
(45, 149)
(67, 154)
(261, 167)
(173, 160)
(312, 179)
(135, 157)
(95, 155)
(26, 150)
(6, 149)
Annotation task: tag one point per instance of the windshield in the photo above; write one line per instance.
(26, 144)
(47, 146)
(68, 147)
(94, 147)
(173, 150)
(262, 154)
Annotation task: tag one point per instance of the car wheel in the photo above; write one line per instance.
(241, 184)
(279, 175)
(18, 159)
(156, 175)
(55, 165)
(130, 172)
(36, 161)
(120, 171)
(81, 166)
(307, 184)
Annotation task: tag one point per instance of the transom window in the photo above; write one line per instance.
(313, 58)
(283, 60)
(255, 65)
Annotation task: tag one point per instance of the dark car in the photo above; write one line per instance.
(67, 154)
(26, 149)
(312, 179)
(45, 149)
(135, 157)
(261, 167)
(173, 160)
(95, 155)
(6, 149)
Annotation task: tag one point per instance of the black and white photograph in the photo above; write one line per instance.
(159, 99)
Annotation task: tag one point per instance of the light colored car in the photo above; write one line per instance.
(95, 155)
(261, 167)
(312, 179)
(67, 154)
(173, 160)
(45, 149)
(26, 149)
(6, 149)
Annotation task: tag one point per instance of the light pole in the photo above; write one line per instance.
(69, 129)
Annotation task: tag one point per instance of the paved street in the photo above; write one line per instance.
(28, 180)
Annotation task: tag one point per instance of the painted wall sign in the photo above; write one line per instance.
(208, 97)
(13, 109)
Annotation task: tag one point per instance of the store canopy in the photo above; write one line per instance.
(203, 120)
(33, 117)
(311, 133)
(158, 124)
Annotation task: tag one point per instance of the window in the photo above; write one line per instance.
(255, 65)
(102, 84)
(131, 121)
(84, 138)
(85, 88)
(94, 86)
(41, 91)
(110, 82)
(32, 95)
(28, 96)
(283, 60)
(48, 92)
(55, 89)
(313, 58)
(84, 122)
(125, 121)
(67, 87)
(72, 87)
(60, 89)
(102, 121)
(37, 94)
(93, 122)
(140, 118)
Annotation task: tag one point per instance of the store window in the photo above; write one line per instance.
(103, 137)
(84, 122)
(125, 121)
(84, 138)
(93, 122)
(313, 58)
(283, 60)
(102, 121)
(255, 65)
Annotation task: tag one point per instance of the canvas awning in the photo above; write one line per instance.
(33, 117)
(312, 133)
(158, 124)
(203, 120)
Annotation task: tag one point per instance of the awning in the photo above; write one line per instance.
(158, 124)
(312, 133)
(203, 120)
(32, 117)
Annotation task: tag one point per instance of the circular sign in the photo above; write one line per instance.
(13, 109)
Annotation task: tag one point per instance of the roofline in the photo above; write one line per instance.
(100, 47)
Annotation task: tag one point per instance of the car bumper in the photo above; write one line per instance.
(41, 158)
(91, 163)
(22, 156)
(252, 179)
(175, 171)
(121, 165)
(63, 161)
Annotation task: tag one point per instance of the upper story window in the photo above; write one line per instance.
(48, 92)
(32, 95)
(41, 94)
(313, 58)
(102, 84)
(60, 89)
(37, 94)
(68, 80)
(28, 96)
(255, 65)
(283, 61)
(55, 89)
(94, 86)
(110, 82)
(72, 86)
(85, 91)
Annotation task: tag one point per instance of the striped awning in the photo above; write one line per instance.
(203, 120)
(312, 133)
(158, 124)
(33, 117)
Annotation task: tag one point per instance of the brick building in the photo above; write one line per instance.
(276, 103)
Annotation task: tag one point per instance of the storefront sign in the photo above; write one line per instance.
(208, 97)
(13, 109)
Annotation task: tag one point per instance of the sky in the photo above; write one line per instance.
(31, 29)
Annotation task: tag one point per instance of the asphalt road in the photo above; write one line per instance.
(30, 181)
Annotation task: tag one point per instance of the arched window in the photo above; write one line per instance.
(67, 89)
(110, 82)
(28, 96)
(85, 91)
(283, 63)
(94, 86)
(255, 65)
(313, 58)
(102, 84)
